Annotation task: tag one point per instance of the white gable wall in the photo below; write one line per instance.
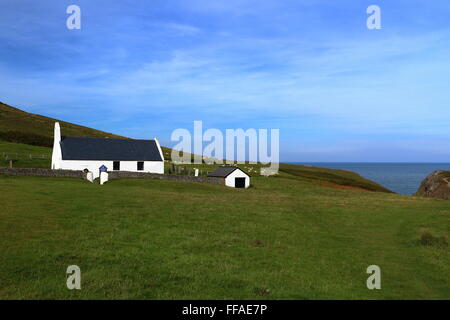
(238, 173)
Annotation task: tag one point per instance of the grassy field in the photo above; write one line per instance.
(24, 156)
(286, 237)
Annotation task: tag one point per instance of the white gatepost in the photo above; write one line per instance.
(103, 177)
(90, 176)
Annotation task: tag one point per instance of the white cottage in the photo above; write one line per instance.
(233, 176)
(80, 153)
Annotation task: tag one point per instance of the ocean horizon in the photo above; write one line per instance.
(400, 177)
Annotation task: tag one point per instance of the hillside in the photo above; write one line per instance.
(23, 127)
(331, 177)
(283, 238)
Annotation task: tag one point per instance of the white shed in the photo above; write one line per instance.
(233, 176)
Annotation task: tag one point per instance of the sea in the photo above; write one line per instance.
(402, 178)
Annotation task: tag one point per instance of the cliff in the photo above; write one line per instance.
(435, 185)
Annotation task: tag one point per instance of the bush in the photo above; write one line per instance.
(427, 239)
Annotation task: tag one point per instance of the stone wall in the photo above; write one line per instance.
(111, 175)
(173, 177)
(40, 172)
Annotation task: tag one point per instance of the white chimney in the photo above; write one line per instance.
(56, 154)
(57, 134)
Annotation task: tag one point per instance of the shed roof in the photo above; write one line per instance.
(223, 172)
(83, 148)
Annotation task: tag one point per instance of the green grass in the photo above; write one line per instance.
(286, 237)
(324, 176)
(24, 156)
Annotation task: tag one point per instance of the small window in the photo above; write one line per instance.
(140, 165)
(116, 165)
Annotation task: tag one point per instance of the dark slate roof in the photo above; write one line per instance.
(223, 172)
(81, 148)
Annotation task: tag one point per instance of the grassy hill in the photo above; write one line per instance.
(20, 127)
(283, 238)
(24, 127)
(24, 156)
(330, 177)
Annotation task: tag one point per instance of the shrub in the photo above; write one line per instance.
(262, 291)
(427, 239)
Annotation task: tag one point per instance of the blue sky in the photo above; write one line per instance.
(311, 68)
